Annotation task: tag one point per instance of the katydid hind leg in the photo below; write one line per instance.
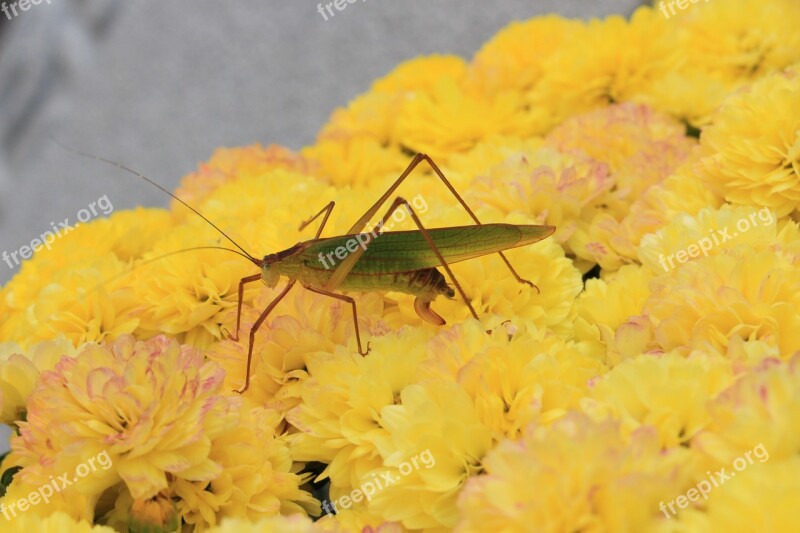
(419, 158)
(422, 308)
(352, 302)
(472, 215)
(254, 329)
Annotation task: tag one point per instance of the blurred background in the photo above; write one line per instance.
(158, 85)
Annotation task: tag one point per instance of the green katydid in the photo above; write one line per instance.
(401, 261)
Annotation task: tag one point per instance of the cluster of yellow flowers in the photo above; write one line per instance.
(661, 352)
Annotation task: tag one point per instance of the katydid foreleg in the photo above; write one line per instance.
(257, 325)
(352, 302)
(242, 282)
(249, 279)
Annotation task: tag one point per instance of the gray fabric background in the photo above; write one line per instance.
(158, 85)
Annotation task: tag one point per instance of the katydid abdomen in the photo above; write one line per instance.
(425, 284)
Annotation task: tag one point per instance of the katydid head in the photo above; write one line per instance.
(269, 271)
(270, 275)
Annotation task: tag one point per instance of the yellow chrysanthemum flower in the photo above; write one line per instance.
(48, 497)
(745, 293)
(641, 147)
(256, 479)
(125, 235)
(340, 419)
(513, 59)
(185, 293)
(751, 152)
(81, 287)
(514, 379)
(575, 474)
(627, 58)
(740, 39)
(436, 443)
(669, 393)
